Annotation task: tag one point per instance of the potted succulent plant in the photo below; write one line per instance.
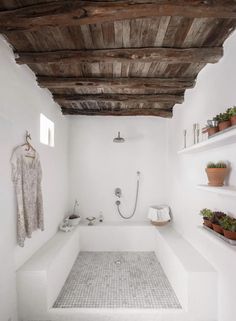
(74, 218)
(216, 173)
(224, 120)
(217, 217)
(232, 113)
(212, 127)
(207, 217)
(229, 227)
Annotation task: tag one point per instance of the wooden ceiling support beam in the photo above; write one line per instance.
(116, 83)
(123, 98)
(168, 55)
(75, 12)
(119, 112)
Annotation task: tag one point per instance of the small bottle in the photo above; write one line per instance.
(100, 217)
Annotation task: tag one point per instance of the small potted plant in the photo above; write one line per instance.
(224, 120)
(212, 127)
(232, 113)
(74, 218)
(229, 227)
(217, 217)
(207, 217)
(216, 173)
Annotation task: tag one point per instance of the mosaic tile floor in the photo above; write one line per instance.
(117, 280)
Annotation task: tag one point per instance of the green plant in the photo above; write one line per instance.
(211, 165)
(228, 223)
(216, 165)
(221, 165)
(222, 117)
(217, 216)
(232, 111)
(206, 213)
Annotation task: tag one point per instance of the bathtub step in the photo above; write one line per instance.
(121, 315)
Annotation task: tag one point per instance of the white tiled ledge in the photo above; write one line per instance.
(217, 240)
(224, 190)
(189, 257)
(223, 138)
(147, 223)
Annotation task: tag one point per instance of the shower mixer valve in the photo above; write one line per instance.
(118, 192)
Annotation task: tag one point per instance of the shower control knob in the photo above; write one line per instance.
(117, 203)
(118, 192)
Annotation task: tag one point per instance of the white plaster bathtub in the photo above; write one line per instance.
(40, 280)
(117, 236)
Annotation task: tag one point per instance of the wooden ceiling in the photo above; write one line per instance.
(117, 57)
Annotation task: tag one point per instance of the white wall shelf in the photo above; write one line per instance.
(218, 240)
(224, 190)
(225, 138)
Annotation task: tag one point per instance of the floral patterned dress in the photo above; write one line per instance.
(27, 176)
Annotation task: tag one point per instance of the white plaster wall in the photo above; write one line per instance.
(98, 166)
(21, 102)
(214, 92)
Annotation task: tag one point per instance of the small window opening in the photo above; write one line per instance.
(46, 131)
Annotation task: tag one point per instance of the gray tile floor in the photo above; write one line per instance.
(117, 280)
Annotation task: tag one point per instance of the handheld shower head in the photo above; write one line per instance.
(118, 139)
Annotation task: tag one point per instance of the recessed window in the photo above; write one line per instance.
(46, 131)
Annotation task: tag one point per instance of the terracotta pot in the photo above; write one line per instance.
(207, 223)
(217, 228)
(212, 130)
(233, 120)
(224, 124)
(230, 235)
(216, 176)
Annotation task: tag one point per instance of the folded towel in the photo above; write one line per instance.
(159, 213)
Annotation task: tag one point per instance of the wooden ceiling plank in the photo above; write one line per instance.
(117, 69)
(169, 55)
(136, 33)
(108, 32)
(149, 31)
(182, 32)
(165, 98)
(223, 29)
(65, 13)
(87, 37)
(119, 112)
(163, 26)
(97, 35)
(198, 32)
(125, 69)
(126, 33)
(171, 31)
(118, 28)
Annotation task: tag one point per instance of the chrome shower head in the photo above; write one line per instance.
(118, 139)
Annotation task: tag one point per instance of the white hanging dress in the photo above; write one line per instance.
(27, 176)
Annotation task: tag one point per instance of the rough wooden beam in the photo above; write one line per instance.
(168, 55)
(117, 83)
(65, 13)
(159, 98)
(119, 112)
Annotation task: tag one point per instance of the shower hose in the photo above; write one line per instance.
(135, 204)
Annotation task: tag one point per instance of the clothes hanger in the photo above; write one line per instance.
(28, 144)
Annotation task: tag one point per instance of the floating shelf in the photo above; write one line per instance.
(223, 138)
(228, 241)
(224, 190)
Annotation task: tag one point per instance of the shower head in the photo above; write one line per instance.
(118, 139)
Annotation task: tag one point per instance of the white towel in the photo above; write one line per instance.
(159, 213)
